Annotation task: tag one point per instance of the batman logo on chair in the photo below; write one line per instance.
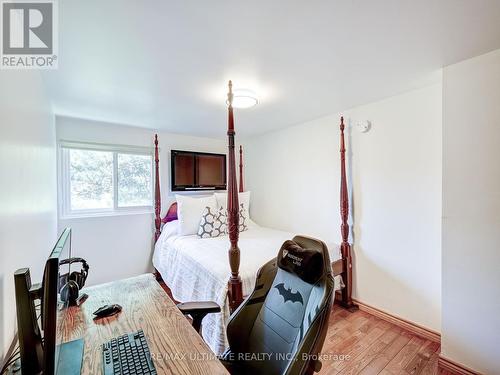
(288, 295)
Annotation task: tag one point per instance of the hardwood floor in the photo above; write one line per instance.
(360, 343)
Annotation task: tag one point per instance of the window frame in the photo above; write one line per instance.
(64, 180)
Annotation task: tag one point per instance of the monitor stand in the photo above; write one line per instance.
(70, 357)
(30, 337)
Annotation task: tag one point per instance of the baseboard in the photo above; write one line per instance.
(454, 367)
(424, 332)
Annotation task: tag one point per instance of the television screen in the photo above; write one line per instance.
(198, 171)
(184, 169)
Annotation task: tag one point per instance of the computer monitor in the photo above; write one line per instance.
(40, 347)
(51, 301)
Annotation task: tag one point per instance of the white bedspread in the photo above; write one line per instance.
(197, 269)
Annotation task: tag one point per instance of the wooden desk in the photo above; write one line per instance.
(145, 306)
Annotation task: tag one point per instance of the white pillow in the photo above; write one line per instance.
(190, 210)
(242, 198)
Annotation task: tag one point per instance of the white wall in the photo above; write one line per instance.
(121, 246)
(396, 173)
(27, 186)
(471, 213)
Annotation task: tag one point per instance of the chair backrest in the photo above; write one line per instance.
(282, 324)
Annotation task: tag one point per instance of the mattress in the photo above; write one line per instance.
(197, 269)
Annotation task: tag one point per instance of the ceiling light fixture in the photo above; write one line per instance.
(243, 98)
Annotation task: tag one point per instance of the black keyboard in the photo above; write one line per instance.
(128, 355)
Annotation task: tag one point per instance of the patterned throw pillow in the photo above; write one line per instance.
(243, 218)
(212, 224)
(220, 225)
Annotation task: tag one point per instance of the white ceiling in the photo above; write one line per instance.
(164, 64)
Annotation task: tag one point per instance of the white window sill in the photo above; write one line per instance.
(87, 215)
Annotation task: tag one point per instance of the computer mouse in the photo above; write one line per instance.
(107, 310)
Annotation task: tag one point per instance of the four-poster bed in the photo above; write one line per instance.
(196, 269)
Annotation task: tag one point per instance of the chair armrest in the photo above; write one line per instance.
(196, 308)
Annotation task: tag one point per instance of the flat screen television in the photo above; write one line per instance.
(193, 171)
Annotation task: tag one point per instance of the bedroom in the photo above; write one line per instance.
(420, 105)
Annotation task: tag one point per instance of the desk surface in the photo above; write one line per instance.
(175, 346)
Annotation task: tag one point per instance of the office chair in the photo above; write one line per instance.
(281, 326)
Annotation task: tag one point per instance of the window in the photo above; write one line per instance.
(99, 179)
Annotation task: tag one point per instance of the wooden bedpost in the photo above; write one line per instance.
(242, 189)
(157, 199)
(345, 247)
(157, 191)
(235, 288)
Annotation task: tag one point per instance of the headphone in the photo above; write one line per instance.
(71, 283)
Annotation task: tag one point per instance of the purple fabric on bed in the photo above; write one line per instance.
(171, 214)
